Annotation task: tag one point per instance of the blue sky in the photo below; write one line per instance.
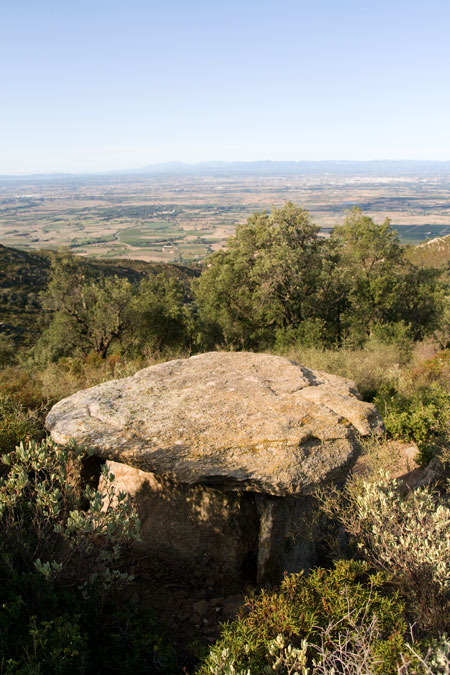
(102, 84)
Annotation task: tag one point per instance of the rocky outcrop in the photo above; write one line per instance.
(224, 447)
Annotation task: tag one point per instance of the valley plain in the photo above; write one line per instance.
(183, 218)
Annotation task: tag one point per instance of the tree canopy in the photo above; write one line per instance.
(265, 279)
(93, 314)
(278, 277)
(277, 282)
(381, 285)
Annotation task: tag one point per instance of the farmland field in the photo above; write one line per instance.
(183, 218)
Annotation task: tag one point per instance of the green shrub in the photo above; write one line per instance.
(46, 524)
(17, 423)
(55, 647)
(283, 631)
(60, 557)
(397, 334)
(309, 333)
(432, 657)
(405, 536)
(130, 642)
(422, 416)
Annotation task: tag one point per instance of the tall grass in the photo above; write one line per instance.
(369, 366)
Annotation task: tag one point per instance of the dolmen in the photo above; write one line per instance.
(222, 453)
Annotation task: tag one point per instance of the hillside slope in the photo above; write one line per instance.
(24, 276)
(432, 253)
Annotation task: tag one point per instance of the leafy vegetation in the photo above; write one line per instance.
(61, 558)
(25, 277)
(423, 416)
(352, 304)
(17, 423)
(285, 631)
(279, 283)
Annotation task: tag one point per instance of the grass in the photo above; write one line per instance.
(369, 366)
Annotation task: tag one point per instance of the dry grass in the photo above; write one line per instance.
(368, 366)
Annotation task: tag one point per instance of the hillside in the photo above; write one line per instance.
(24, 276)
(431, 253)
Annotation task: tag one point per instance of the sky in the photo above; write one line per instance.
(98, 85)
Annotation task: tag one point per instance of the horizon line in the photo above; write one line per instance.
(213, 163)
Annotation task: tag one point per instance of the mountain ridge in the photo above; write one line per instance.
(257, 167)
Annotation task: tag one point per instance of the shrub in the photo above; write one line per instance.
(397, 334)
(430, 658)
(130, 642)
(283, 632)
(45, 522)
(422, 416)
(56, 647)
(404, 536)
(17, 423)
(60, 556)
(309, 333)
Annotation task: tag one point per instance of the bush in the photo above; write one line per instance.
(130, 642)
(422, 416)
(403, 536)
(432, 659)
(283, 632)
(16, 423)
(397, 334)
(52, 524)
(60, 557)
(56, 647)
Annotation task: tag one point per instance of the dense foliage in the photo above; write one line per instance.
(309, 615)
(349, 619)
(279, 282)
(61, 564)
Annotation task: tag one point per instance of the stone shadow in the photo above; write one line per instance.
(245, 537)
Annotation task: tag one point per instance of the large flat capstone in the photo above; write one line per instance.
(229, 420)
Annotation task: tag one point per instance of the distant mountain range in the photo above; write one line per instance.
(263, 168)
(282, 168)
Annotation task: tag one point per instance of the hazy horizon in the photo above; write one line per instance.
(327, 165)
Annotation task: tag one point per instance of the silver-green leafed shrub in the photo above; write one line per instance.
(62, 549)
(406, 536)
(282, 658)
(432, 659)
(53, 525)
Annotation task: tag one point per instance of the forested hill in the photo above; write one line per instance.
(24, 275)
